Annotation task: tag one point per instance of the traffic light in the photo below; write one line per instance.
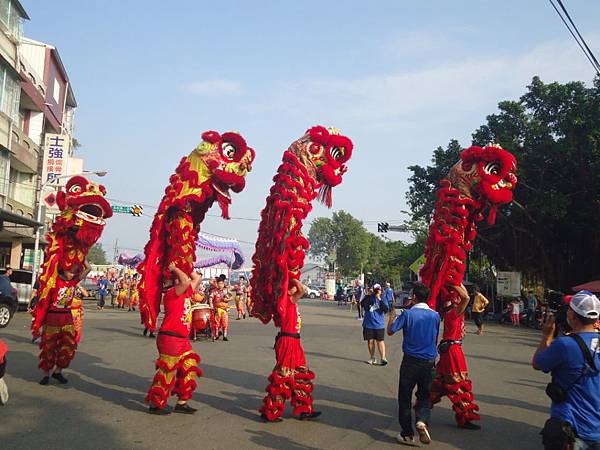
(382, 227)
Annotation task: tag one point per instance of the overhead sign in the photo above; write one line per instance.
(136, 210)
(508, 284)
(121, 209)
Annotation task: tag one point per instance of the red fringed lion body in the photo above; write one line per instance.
(216, 166)
(78, 227)
(483, 179)
(310, 168)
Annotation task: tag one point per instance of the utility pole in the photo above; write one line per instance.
(116, 254)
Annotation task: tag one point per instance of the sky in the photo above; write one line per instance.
(398, 78)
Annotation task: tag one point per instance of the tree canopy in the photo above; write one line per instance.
(549, 232)
(343, 238)
(97, 255)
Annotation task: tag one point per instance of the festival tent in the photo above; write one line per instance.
(592, 286)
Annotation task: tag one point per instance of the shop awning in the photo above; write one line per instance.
(9, 216)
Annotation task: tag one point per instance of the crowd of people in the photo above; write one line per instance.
(569, 351)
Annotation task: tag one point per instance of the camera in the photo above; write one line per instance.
(558, 307)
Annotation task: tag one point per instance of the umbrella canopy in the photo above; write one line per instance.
(592, 286)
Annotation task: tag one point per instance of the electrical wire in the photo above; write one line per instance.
(582, 44)
(591, 54)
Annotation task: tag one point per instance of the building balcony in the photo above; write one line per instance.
(24, 152)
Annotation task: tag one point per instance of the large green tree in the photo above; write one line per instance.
(342, 238)
(97, 255)
(345, 239)
(550, 231)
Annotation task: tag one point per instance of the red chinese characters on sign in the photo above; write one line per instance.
(56, 152)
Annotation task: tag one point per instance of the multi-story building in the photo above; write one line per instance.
(36, 105)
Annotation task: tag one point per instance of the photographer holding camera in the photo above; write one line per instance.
(574, 363)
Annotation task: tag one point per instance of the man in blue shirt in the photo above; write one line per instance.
(420, 325)
(576, 420)
(388, 294)
(102, 291)
(374, 308)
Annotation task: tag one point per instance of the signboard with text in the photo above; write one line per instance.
(56, 155)
(508, 284)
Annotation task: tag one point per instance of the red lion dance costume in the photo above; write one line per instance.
(311, 167)
(78, 227)
(482, 180)
(218, 164)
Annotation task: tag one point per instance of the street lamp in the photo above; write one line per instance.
(38, 216)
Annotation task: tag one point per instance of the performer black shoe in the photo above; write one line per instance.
(225, 338)
(470, 426)
(44, 381)
(145, 333)
(151, 335)
(309, 416)
(265, 419)
(61, 379)
(184, 409)
(158, 411)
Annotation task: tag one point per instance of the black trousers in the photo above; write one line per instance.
(420, 373)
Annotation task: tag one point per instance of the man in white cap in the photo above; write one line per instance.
(574, 363)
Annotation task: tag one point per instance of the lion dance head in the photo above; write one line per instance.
(218, 165)
(327, 151)
(83, 210)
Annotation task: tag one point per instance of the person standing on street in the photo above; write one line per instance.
(574, 363)
(375, 308)
(388, 294)
(102, 291)
(420, 325)
(478, 310)
(532, 303)
(360, 295)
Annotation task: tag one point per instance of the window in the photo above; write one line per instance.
(10, 93)
(56, 92)
(11, 19)
(4, 160)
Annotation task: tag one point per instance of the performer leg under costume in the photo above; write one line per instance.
(176, 366)
(290, 379)
(220, 323)
(452, 377)
(176, 371)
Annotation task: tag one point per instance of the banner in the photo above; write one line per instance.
(56, 155)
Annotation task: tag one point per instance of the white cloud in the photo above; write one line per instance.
(469, 84)
(211, 87)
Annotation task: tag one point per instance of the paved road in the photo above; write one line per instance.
(102, 406)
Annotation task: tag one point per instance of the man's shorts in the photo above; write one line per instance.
(477, 318)
(370, 333)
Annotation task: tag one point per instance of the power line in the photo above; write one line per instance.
(578, 38)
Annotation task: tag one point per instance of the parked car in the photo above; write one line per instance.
(8, 301)
(21, 281)
(91, 286)
(312, 293)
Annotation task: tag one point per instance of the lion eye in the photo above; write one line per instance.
(76, 189)
(337, 152)
(229, 150)
(492, 168)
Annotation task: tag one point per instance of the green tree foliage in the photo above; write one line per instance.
(354, 248)
(550, 231)
(97, 255)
